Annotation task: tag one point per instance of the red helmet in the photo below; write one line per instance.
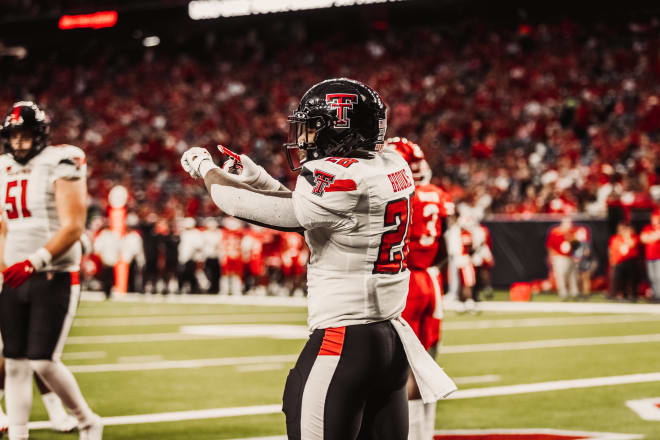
(413, 154)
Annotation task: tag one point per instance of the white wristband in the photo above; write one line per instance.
(40, 259)
(206, 166)
(266, 182)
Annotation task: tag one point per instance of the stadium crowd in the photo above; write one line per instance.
(550, 118)
(535, 118)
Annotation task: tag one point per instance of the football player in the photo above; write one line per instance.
(42, 195)
(460, 250)
(232, 263)
(352, 200)
(430, 206)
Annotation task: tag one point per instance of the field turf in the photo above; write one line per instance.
(119, 352)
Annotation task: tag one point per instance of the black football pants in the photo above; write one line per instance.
(349, 383)
(35, 318)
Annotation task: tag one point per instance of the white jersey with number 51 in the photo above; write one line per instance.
(357, 214)
(27, 200)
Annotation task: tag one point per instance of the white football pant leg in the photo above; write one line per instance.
(18, 387)
(61, 381)
(416, 420)
(429, 420)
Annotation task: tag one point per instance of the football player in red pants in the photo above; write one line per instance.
(430, 206)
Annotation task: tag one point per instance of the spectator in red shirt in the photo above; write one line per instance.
(560, 244)
(651, 238)
(624, 252)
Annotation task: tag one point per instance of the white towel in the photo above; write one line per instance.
(433, 382)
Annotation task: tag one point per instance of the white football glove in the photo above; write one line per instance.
(256, 176)
(197, 162)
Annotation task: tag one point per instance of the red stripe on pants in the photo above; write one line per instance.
(333, 341)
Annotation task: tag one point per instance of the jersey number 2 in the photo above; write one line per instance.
(13, 199)
(393, 247)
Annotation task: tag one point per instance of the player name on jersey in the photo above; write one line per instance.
(399, 180)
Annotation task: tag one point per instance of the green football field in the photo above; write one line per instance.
(164, 370)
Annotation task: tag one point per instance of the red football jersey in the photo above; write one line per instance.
(429, 205)
(651, 236)
(232, 255)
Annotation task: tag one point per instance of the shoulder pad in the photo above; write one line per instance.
(324, 177)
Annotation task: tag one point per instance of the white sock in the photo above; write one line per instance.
(54, 406)
(18, 384)
(18, 432)
(416, 420)
(61, 381)
(429, 420)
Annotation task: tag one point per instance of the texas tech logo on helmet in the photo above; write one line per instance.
(342, 102)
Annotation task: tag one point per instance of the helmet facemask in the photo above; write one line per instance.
(304, 131)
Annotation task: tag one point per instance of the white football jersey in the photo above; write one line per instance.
(356, 213)
(27, 200)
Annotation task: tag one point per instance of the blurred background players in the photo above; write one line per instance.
(132, 252)
(561, 244)
(482, 257)
(108, 247)
(587, 264)
(650, 237)
(624, 260)
(294, 260)
(190, 255)
(462, 275)
(168, 257)
(430, 207)
(232, 265)
(44, 191)
(212, 241)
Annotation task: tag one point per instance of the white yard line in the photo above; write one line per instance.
(556, 385)
(550, 343)
(186, 363)
(496, 306)
(135, 359)
(647, 409)
(461, 394)
(477, 379)
(547, 322)
(94, 311)
(279, 301)
(144, 337)
(277, 331)
(260, 367)
(193, 318)
(178, 416)
(186, 319)
(450, 349)
(562, 307)
(79, 355)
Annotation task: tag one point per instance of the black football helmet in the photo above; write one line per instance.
(27, 117)
(337, 117)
